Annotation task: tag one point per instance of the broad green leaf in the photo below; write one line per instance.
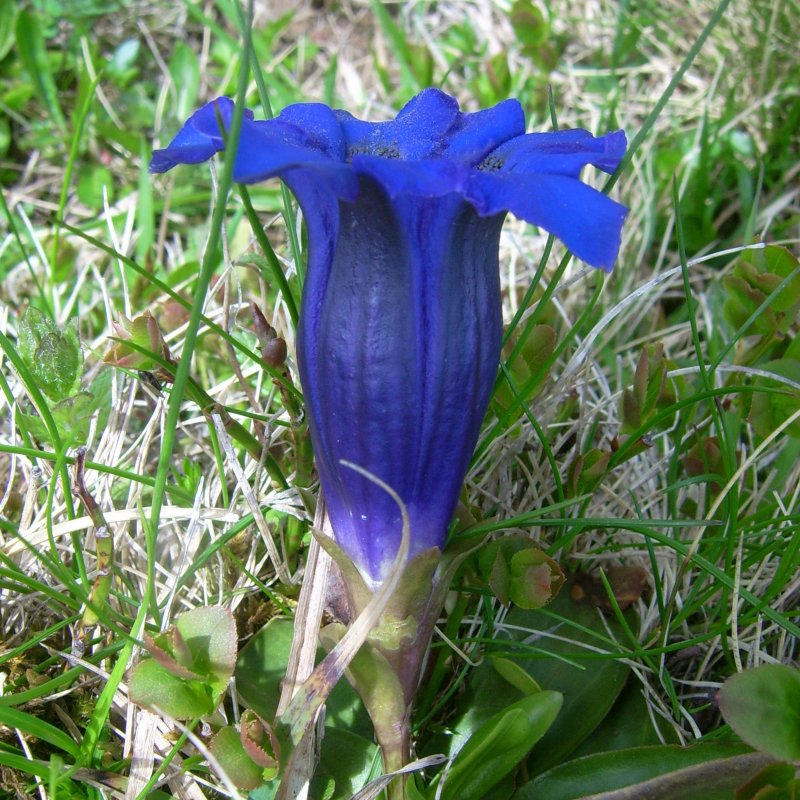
(756, 275)
(742, 301)
(265, 792)
(763, 706)
(261, 667)
(628, 724)
(154, 687)
(32, 327)
(73, 417)
(628, 769)
(58, 360)
(776, 781)
(170, 650)
(499, 746)
(210, 634)
(766, 268)
(346, 758)
(227, 749)
(504, 790)
(35, 426)
(31, 47)
(590, 685)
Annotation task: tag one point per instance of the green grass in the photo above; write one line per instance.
(694, 480)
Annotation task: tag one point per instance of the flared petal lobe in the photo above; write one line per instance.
(198, 139)
(559, 153)
(588, 222)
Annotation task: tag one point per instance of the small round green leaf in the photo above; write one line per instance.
(535, 578)
(226, 747)
(763, 706)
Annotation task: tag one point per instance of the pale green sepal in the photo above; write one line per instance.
(356, 587)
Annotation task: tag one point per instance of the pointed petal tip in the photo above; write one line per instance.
(160, 162)
(615, 144)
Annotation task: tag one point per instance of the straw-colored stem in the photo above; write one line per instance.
(104, 548)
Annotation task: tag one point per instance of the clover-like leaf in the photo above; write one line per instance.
(586, 471)
(198, 653)
(259, 741)
(209, 633)
(261, 667)
(519, 572)
(770, 409)
(170, 650)
(651, 391)
(755, 281)
(535, 578)
(137, 339)
(73, 416)
(154, 687)
(347, 760)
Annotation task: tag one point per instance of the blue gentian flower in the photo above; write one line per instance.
(400, 324)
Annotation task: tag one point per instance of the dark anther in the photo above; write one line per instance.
(491, 164)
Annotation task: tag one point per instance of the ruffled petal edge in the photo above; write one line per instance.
(587, 221)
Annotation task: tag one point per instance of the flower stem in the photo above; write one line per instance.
(394, 738)
(104, 551)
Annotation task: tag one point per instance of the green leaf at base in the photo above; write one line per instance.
(763, 706)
